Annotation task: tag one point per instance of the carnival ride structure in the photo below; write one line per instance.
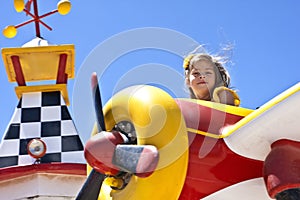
(41, 153)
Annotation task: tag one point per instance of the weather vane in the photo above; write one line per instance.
(63, 8)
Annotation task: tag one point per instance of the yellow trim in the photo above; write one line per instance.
(221, 107)
(44, 88)
(39, 63)
(262, 109)
(204, 133)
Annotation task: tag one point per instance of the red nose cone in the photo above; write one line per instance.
(99, 152)
(141, 160)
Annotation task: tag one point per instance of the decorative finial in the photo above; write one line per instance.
(63, 8)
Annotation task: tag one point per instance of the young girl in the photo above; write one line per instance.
(208, 80)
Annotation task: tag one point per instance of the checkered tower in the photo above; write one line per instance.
(42, 111)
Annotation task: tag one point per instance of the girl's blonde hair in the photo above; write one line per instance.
(222, 76)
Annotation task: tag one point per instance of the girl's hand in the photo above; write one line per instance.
(226, 96)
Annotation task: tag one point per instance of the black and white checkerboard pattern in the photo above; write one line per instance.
(42, 115)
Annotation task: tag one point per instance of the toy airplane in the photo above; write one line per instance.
(146, 145)
(204, 150)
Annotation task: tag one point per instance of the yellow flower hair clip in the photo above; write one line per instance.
(186, 61)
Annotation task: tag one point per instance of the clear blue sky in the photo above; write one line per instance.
(265, 34)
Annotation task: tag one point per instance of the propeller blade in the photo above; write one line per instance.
(97, 103)
(91, 188)
(92, 185)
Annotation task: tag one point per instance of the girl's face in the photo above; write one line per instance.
(202, 79)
